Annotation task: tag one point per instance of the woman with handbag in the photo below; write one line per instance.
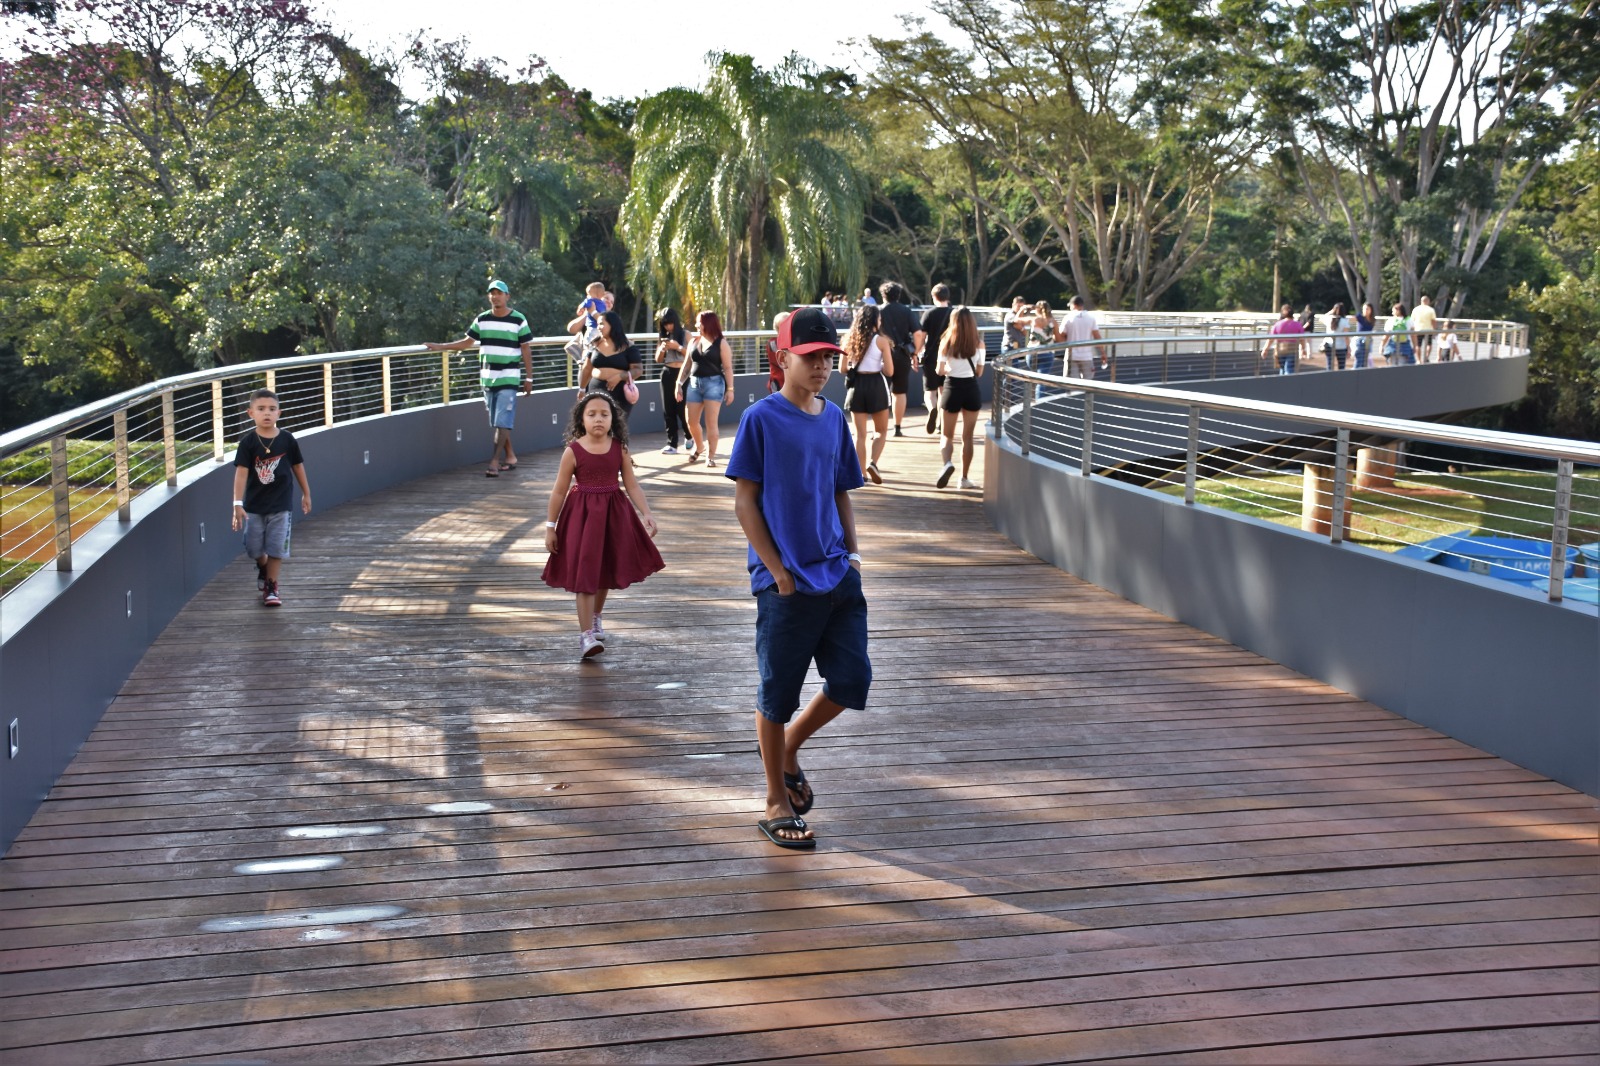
(868, 365)
(707, 384)
(1399, 348)
(612, 363)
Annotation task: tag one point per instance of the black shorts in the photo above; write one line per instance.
(932, 380)
(902, 372)
(961, 394)
(867, 395)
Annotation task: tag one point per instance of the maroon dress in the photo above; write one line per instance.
(600, 542)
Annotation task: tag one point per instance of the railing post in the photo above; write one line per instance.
(1086, 460)
(1341, 479)
(1027, 418)
(327, 394)
(444, 370)
(61, 495)
(1191, 463)
(1558, 527)
(119, 432)
(218, 445)
(388, 388)
(272, 381)
(997, 408)
(169, 438)
(1166, 352)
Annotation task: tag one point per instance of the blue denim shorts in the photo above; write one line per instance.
(267, 534)
(502, 405)
(704, 390)
(795, 630)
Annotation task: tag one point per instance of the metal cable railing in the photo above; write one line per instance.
(1509, 506)
(60, 476)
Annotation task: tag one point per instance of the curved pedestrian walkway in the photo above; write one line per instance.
(398, 821)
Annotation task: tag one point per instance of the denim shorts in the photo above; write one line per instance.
(502, 405)
(705, 390)
(795, 630)
(267, 534)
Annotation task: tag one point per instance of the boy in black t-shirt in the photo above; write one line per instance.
(262, 497)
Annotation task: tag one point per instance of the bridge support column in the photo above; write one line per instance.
(1375, 466)
(1316, 502)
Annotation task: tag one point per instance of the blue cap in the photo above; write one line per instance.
(498, 284)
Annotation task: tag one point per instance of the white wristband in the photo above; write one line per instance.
(854, 557)
(238, 503)
(549, 525)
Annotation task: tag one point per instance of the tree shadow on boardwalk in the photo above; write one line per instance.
(1067, 828)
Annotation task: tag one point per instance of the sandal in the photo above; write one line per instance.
(774, 826)
(797, 783)
(493, 471)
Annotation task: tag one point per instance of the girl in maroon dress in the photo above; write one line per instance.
(595, 538)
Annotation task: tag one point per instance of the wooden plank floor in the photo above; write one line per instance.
(1067, 829)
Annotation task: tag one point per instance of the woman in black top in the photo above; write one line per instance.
(706, 380)
(613, 363)
(670, 349)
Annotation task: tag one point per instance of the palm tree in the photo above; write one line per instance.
(742, 192)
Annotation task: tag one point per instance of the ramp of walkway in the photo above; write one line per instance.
(398, 821)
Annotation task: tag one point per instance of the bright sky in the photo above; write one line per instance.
(625, 48)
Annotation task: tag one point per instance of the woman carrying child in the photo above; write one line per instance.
(613, 363)
(868, 360)
(961, 363)
(595, 538)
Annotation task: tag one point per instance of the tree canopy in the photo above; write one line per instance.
(185, 184)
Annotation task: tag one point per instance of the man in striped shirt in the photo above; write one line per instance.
(502, 337)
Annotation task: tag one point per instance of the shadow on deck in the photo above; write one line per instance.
(397, 820)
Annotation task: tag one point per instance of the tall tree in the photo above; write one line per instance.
(1415, 127)
(1106, 143)
(742, 192)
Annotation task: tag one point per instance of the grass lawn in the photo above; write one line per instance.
(1422, 506)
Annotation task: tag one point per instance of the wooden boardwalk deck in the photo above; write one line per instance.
(397, 821)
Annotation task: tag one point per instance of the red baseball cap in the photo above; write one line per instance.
(808, 330)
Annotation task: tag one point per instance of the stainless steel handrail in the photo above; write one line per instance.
(1039, 411)
(158, 429)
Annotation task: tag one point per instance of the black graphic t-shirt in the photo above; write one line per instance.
(271, 462)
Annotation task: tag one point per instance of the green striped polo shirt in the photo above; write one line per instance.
(500, 342)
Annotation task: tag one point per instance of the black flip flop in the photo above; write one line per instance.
(795, 783)
(771, 828)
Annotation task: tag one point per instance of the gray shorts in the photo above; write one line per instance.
(267, 534)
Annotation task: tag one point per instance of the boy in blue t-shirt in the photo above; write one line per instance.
(793, 467)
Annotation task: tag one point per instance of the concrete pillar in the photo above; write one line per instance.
(1375, 466)
(1316, 502)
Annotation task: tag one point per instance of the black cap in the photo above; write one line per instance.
(808, 330)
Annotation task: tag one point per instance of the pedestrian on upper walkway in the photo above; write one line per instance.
(1289, 341)
(1079, 326)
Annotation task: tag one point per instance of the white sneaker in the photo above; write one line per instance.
(968, 483)
(944, 475)
(598, 630)
(669, 450)
(589, 645)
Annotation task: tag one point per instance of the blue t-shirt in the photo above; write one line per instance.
(593, 307)
(800, 461)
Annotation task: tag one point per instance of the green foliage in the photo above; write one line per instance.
(740, 194)
(1563, 397)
